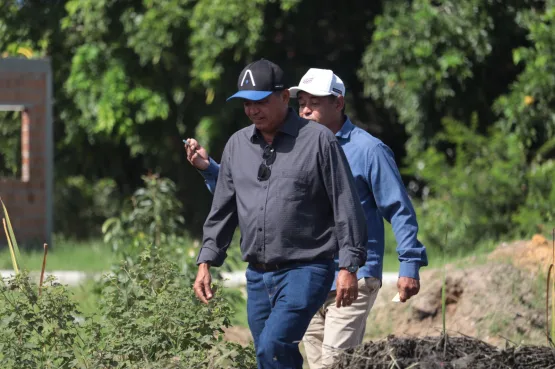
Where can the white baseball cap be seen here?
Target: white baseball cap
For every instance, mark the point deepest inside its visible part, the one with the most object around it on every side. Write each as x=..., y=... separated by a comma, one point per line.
x=319, y=82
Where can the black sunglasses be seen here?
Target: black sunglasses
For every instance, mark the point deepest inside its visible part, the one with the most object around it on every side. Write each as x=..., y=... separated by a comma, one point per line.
x=268, y=158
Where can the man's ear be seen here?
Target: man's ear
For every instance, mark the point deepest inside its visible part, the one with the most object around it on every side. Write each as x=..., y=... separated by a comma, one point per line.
x=285, y=96
x=339, y=103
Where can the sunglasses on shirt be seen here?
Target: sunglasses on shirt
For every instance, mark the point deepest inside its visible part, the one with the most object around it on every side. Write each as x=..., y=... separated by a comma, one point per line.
x=268, y=158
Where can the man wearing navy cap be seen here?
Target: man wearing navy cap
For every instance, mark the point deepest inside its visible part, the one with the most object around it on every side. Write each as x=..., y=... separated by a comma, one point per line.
x=286, y=183
x=383, y=196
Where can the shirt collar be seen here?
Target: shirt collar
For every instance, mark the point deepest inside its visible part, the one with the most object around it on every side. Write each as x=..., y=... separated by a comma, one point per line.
x=346, y=129
x=290, y=127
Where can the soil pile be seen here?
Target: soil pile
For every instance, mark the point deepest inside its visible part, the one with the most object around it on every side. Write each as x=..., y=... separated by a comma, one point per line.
x=494, y=302
x=534, y=255
x=495, y=316
x=443, y=352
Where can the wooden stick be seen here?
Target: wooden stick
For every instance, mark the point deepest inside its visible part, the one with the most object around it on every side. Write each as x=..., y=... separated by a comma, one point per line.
x=550, y=287
x=43, y=267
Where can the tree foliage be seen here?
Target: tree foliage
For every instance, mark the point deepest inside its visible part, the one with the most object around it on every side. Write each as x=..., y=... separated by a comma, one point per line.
x=135, y=77
x=474, y=188
x=528, y=109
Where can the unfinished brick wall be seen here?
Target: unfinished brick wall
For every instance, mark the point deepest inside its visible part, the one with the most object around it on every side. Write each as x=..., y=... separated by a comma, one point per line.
x=26, y=86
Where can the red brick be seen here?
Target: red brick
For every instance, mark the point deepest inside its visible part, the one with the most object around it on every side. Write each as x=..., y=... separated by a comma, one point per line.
x=36, y=181
x=8, y=96
x=13, y=82
x=36, y=175
x=26, y=200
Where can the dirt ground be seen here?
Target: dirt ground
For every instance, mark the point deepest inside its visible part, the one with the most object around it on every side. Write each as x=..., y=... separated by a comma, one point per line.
x=443, y=352
x=499, y=299
x=240, y=335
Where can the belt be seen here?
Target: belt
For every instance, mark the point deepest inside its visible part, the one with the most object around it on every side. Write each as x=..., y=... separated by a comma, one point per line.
x=275, y=266
x=278, y=266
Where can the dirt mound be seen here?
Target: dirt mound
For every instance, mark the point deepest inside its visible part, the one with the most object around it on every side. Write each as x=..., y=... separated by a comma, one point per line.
x=443, y=352
x=534, y=255
x=430, y=304
x=493, y=302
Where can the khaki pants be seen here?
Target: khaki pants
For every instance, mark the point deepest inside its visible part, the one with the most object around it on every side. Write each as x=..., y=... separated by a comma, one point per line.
x=333, y=329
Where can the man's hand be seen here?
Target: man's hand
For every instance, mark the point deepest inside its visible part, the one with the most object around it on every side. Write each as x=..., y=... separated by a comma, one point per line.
x=347, y=288
x=202, y=283
x=407, y=287
x=196, y=154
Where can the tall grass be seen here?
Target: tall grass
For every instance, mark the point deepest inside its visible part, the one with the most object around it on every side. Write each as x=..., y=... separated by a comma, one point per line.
x=66, y=254
x=12, y=242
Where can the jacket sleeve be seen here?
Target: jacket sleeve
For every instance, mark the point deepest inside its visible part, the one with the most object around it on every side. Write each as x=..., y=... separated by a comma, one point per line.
x=210, y=175
x=395, y=206
x=222, y=220
x=350, y=222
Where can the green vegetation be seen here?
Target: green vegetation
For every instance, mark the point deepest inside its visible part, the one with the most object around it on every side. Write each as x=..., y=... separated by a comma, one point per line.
x=148, y=317
x=144, y=314
x=461, y=91
x=10, y=237
x=86, y=256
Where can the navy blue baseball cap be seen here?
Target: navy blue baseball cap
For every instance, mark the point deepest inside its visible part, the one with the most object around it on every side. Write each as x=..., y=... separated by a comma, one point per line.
x=258, y=80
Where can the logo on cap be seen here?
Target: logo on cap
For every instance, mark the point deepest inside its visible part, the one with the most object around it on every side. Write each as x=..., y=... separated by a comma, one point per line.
x=307, y=80
x=246, y=81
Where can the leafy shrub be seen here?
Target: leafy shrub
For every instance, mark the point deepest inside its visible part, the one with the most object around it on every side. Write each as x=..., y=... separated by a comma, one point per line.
x=537, y=213
x=150, y=314
x=38, y=331
x=153, y=214
x=148, y=318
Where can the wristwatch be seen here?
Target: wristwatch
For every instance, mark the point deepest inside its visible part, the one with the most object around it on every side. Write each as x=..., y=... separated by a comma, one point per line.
x=351, y=269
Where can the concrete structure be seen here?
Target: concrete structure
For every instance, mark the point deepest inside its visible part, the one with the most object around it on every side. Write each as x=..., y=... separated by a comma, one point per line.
x=26, y=86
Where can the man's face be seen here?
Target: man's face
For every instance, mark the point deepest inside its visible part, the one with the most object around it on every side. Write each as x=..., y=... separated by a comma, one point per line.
x=267, y=114
x=322, y=109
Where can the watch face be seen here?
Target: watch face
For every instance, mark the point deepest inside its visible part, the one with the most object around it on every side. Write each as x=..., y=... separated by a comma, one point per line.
x=352, y=269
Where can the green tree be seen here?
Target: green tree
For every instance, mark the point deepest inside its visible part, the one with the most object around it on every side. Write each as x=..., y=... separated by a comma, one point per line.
x=528, y=109
x=133, y=78
x=431, y=59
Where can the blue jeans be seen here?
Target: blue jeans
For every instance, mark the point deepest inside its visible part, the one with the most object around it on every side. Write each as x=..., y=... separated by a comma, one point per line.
x=280, y=305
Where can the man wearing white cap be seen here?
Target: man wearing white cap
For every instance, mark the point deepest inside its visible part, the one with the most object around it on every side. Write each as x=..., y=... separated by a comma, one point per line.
x=321, y=94
x=321, y=97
